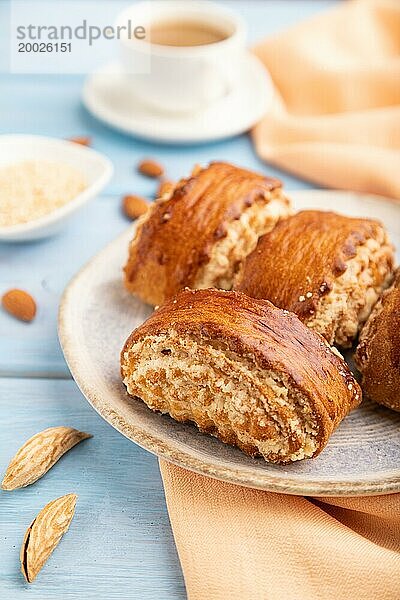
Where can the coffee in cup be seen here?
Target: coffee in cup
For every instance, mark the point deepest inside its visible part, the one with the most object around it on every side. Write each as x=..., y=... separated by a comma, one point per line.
x=189, y=57
x=184, y=33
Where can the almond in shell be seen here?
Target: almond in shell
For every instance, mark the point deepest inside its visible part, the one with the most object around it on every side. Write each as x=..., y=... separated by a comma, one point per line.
x=44, y=533
x=39, y=454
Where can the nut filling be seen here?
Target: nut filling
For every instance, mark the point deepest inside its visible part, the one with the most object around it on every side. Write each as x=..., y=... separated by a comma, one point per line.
x=224, y=394
x=241, y=239
x=343, y=311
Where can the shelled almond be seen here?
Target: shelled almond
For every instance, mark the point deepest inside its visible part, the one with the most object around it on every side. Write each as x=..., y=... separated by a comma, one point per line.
x=134, y=206
x=165, y=188
x=83, y=140
x=150, y=168
x=19, y=304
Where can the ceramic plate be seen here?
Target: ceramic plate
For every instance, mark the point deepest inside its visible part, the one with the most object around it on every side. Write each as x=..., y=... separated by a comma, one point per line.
x=109, y=97
x=97, y=315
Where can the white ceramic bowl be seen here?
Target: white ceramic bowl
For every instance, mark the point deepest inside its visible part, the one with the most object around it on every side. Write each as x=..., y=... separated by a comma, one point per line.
x=96, y=168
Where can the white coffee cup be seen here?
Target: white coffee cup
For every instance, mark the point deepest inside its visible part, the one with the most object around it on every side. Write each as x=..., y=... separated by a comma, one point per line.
x=181, y=78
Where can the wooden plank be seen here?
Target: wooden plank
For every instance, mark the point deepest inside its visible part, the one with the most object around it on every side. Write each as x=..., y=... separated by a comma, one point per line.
x=120, y=544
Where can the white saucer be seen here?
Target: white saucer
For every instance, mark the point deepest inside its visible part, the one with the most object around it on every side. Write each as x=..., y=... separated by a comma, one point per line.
x=108, y=96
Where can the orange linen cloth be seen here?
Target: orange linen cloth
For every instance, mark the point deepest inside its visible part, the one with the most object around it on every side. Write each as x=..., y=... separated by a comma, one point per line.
x=236, y=543
x=335, y=119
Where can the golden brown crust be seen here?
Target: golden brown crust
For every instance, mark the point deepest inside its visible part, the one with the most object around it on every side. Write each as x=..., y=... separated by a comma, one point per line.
x=269, y=339
x=378, y=353
x=297, y=263
x=176, y=239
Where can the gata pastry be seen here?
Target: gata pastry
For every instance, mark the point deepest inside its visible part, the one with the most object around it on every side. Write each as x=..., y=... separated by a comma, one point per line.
x=197, y=236
x=242, y=370
x=378, y=352
x=327, y=268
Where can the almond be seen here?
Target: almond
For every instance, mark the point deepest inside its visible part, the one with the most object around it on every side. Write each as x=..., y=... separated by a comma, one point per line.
x=150, y=168
x=165, y=188
x=44, y=534
x=39, y=454
x=20, y=304
x=134, y=206
x=81, y=139
x=196, y=170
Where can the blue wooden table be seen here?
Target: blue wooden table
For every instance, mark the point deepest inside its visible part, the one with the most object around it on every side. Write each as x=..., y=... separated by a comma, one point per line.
x=120, y=544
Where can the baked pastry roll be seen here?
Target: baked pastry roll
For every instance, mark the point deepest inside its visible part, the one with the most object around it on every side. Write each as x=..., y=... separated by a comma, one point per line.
x=243, y=370
x=327, y=268
x=378, y=352
x=198, y=236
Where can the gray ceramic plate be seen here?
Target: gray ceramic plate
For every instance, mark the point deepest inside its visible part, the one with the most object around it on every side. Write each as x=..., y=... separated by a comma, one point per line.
x=96, y=316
